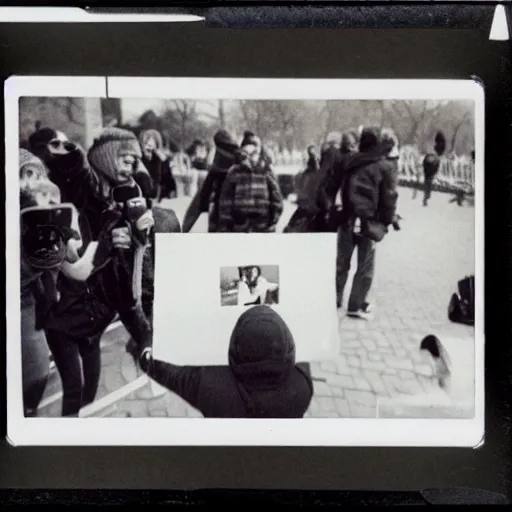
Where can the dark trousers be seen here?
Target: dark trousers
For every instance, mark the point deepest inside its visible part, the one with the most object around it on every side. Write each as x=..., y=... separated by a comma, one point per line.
x=427, y=189
x=78, y=361
x=363, y=278
x=35, y=358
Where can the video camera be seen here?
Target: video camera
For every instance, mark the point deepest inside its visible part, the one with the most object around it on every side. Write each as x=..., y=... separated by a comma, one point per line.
x=44, y=234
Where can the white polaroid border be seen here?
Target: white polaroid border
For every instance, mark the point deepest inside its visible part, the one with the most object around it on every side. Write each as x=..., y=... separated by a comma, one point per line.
x=238, y=432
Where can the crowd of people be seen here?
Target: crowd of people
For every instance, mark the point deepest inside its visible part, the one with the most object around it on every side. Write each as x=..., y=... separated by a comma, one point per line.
x=88, y=219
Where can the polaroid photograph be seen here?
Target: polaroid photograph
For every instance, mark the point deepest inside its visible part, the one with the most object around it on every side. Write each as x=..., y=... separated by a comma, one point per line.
x=272, y=262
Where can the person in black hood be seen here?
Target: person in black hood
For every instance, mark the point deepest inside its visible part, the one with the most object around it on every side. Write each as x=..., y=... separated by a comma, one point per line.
x=368, y=192
x=262, y=379
x=207, y=198
x=431, y=164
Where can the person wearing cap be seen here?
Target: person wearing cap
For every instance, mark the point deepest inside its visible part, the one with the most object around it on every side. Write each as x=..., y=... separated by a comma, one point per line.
x=369, y=197
x=207, y=197
x=261, y=379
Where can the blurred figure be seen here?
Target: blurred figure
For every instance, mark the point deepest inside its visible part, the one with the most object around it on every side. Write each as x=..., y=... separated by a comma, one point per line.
x=333, y=164
x=154, y=160
x=207, y=198
x=305, y=217
x=262, y=379
x=186, y=178
x=431, y=164
x=198, y=154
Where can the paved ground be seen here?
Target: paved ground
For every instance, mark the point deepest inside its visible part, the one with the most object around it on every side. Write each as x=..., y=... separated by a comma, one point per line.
x=417, y=271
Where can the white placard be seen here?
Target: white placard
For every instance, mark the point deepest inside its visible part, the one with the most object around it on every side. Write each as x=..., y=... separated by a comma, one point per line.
x=192, y=327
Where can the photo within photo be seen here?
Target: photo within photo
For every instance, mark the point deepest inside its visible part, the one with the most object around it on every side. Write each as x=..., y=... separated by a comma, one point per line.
x=249, y=285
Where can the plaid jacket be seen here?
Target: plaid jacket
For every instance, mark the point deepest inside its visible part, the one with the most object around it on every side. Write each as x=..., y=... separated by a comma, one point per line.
x=250, y=201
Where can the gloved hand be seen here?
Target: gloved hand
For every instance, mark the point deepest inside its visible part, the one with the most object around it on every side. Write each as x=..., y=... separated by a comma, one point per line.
x=145, y=221
x=112, y=219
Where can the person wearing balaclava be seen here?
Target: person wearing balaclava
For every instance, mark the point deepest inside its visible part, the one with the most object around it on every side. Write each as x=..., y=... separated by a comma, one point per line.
x=207, y=198
x=261, y=380
x=431, y=164
x=85, y=309
x=368, y=207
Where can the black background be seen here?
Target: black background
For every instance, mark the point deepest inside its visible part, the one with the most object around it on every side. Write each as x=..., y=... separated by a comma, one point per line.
x=194, y=50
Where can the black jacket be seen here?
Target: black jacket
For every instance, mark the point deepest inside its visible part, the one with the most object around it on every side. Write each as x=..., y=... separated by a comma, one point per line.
x=213, y=390
x=261, y=381
x=86, y=309
x=372, y=195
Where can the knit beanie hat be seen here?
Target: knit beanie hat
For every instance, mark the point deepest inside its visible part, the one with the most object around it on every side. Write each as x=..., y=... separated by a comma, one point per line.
x=151, y=134
x=27, y=158
x=370, y=140
x=108, y=147
x=250, y=138
x=262, y=349
x=226, y=150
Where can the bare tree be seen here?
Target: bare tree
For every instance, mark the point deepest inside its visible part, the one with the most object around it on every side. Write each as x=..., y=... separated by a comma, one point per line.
x=186, y=112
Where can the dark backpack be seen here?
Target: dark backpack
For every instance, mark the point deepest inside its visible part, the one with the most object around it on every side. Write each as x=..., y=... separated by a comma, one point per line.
x=461, y=308
x=361, y=191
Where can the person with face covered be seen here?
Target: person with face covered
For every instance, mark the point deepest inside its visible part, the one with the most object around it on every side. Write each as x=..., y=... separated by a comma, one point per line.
x=250, y=199
x=262, y=379
x=89, y=300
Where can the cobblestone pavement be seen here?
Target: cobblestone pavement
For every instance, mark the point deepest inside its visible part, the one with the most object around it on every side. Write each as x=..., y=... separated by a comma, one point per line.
x=417, y=270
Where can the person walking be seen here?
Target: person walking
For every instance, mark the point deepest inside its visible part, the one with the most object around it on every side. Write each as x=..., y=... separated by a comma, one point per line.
x=369, y=196
x=431, y=164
